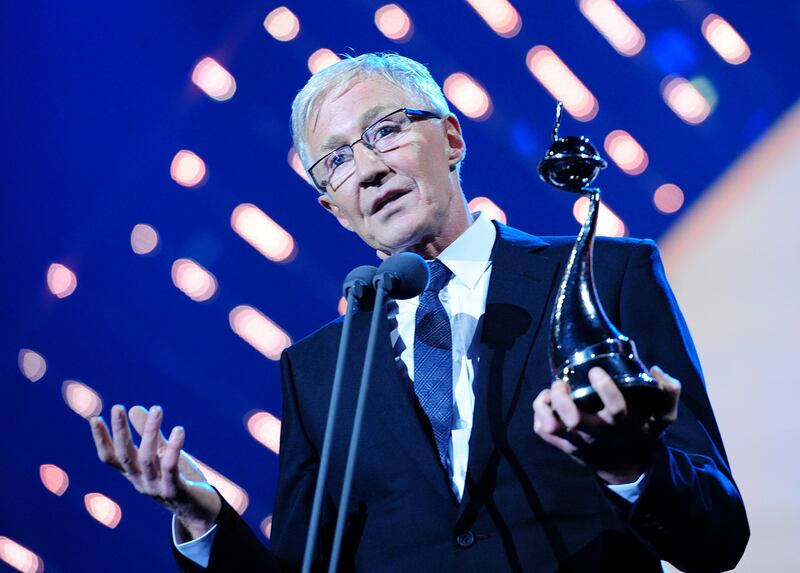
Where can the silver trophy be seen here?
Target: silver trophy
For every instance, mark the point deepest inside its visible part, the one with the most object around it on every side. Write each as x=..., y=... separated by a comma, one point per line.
x=581, y=335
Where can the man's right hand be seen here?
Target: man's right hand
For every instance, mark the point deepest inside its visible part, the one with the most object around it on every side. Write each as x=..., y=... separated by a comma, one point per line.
x=158, y=468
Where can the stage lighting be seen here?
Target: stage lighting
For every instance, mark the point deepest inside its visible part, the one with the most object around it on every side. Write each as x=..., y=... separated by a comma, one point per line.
x=54, y=478
x=562, y=84
x=193, y=280
x=615, y=25
x=259, y=331
x=265, y=428
x=81, y=399
x=263, y=234
x=61, y=281
x=725, y=40
x=489, y=209
x=500, y=15
x=668, y=198
x=394, y=23
x=468, y=96
x=608, y=223
x=32, y=364
x=626, y=152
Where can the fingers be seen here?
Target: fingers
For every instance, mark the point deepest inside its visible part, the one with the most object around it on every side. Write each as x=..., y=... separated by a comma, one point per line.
x=103, y=443
x=563, y=405
x=548, y=425
x=614, y=407
x=171, y=456
x=148, y=449
x=124, y=450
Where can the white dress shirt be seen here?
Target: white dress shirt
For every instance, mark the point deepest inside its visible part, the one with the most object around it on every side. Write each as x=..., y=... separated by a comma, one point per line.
x=464, y=299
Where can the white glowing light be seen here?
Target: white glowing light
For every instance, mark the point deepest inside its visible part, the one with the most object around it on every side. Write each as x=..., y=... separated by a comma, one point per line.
x=321, y=59
x=81, y=399
x=193, y=280
x=264, y=234
x=668, y=198
x=297, y=166
x=234, y=494
x=282, y=24
x=615, y=25
x=685, y=100
x=266, y=429
x=342, y=306
x=19, y=557
x=144, y=239
x=259, y=331
x=187, y=169
x=32, y=364
x=394, y=23
x=562, y=84
x=266, y=526
x=608, y=223
x=489, y=208
x=54, y=478
x=103, y=509
x=725, y=40
x=500, y=15
x=213, y=79
x=626, y=152
x=468, y=96
x=61, y=281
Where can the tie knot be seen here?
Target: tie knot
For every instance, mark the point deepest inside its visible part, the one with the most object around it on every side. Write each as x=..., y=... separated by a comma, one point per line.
x=440, y=274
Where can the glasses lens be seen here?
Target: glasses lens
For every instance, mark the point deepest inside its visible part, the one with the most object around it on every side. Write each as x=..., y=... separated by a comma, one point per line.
x=385, y=132
x=334, y=167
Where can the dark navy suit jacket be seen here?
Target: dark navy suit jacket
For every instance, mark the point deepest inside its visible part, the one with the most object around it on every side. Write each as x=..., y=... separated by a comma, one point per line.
x=527, y=506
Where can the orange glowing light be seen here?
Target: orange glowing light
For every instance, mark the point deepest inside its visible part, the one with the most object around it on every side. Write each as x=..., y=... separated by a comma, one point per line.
x=259, y=331
x=615, y=25
x=103, y=509
x=626, y=152
x=266, y=429
x=685, y=100
x=608, y=224
x=297, y=166
x=144, y=239
x=321, y=59
x=266, y=526
x=562, y=84
x=489, y=208
x=19, y=557
x=32, y=364
x=394, y=23
x=61, y=281
x=264, y=234
x=282, y=24
x=81, y=399
x=725, y=40
x=500, y=15
x=668, y=198
x=468, y=96
x=54, y=478
x=234, y=494
x=193, y=280
x=213, y=79
x=342, y=306
x=188, y=169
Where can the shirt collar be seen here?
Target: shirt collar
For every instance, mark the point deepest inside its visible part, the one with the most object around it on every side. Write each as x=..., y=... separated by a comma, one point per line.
x=470, y=254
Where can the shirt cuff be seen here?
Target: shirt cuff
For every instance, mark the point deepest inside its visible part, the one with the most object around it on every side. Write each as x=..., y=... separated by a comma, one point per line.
x=197, y=550
x=630, y=492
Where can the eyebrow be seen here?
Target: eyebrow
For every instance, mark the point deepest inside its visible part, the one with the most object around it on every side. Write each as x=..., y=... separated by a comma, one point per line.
x=366, y=118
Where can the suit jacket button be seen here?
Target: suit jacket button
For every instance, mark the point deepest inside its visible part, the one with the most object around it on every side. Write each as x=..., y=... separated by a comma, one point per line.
x=466, y=539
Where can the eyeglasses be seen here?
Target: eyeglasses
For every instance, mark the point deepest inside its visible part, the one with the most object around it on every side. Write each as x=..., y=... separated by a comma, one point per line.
x=382, y=136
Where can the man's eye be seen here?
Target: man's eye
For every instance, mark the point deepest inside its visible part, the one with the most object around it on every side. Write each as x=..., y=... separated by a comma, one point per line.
x=385, y=130
x=336, y=159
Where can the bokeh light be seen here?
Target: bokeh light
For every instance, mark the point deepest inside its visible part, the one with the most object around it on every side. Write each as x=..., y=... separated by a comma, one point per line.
x=626, y=152
x=81, y=399
x=725, y=40
x=144, y=239
x=282, y=24
x=394, y=23
x=562, y=84
x=61, y=281
x=615, y=25
x=193, y=280
x=468, y=96
x=187, y=169
x=685, y=100
x=265, y=428
x=500, y=15
x=259, y=331
x=489, y=208
x=297, y=166
x=263, y=234
x=19, y=557
x=233, y=493
x=668, y=198
x=342, y=306
x=608, y=223
x=213, y=79
x=103, y=509
x=32, y=364
x=266, y=526
x=321, y=59
x=54, y=478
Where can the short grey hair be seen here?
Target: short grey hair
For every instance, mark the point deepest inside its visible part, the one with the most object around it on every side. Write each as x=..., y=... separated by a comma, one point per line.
x=406, y=73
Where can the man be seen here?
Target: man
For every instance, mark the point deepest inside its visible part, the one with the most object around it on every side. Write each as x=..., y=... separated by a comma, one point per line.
x=455, y=472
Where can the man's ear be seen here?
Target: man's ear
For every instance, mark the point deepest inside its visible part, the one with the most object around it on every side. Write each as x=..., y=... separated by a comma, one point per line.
x=456, y=147
x=334, y=210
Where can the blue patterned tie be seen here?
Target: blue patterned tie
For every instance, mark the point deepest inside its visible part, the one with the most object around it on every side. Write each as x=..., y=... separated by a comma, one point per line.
x=433, y=359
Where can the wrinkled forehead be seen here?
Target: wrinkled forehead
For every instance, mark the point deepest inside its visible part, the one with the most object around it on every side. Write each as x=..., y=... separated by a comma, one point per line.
x=339, y=116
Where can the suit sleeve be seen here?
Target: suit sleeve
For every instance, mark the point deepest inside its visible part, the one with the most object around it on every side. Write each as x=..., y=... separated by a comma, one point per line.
x=690, y=510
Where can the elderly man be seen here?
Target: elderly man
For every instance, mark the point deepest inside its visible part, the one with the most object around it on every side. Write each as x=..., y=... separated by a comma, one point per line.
x=470, y=460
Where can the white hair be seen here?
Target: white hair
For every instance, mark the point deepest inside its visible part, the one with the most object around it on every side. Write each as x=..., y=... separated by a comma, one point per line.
x=409, y=75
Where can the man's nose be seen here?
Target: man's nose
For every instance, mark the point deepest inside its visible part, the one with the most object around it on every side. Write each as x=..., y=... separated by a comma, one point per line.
x=369, y=164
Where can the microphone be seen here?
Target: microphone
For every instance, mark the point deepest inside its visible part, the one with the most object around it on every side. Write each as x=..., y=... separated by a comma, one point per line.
x=404, y=275
x=359, y=281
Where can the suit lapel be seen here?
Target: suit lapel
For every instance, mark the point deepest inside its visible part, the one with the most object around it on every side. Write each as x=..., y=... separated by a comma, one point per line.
x=523, y=276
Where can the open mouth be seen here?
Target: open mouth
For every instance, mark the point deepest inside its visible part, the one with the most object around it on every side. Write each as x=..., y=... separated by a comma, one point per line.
x=387, y=199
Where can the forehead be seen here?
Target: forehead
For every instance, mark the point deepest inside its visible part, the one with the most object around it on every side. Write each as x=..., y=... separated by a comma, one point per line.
x=341, y=116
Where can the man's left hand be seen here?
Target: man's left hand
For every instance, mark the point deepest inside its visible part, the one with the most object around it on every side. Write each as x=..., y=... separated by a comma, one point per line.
x=616, y=444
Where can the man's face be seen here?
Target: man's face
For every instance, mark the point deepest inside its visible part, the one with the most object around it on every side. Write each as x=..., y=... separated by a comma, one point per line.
x=400, y=198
